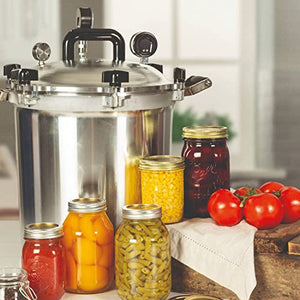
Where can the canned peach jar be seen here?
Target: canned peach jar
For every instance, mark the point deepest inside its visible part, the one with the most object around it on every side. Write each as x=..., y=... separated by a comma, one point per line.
x=89, y=243
x=162, y=184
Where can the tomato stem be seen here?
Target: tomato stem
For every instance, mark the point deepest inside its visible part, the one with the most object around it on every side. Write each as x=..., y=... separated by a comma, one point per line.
x=244, y=199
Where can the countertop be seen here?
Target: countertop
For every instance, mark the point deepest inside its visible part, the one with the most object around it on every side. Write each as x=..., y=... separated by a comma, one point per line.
x=11, y=242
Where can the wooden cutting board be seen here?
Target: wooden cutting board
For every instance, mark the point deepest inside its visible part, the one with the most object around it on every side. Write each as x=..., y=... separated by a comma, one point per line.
x=277, y=272
x=276, y=240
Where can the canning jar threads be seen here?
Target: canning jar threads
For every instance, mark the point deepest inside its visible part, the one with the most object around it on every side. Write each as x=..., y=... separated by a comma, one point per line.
x=89, y=244
x=206, y=166
x=43, y=259
x=162, y=184
x=143, y=259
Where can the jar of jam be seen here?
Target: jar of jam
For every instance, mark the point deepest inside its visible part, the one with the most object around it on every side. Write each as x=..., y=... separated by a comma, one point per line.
x=43, y=259
x=143, y=259
x=162, y=184
x=206, y=166
x=14, y=285
x=89, y=243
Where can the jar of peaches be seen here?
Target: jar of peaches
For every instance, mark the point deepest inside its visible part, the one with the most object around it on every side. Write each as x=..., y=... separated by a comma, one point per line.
x=206, y=166
x=89, y=243
x=162, y=184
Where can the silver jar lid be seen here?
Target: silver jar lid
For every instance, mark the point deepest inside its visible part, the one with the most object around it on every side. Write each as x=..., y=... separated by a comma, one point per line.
x=141, y=211
x=42, y=231
x=12, y=276
x=87, y=205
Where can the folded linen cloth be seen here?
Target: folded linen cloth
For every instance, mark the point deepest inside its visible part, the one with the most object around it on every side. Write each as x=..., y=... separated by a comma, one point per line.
x=223, y=254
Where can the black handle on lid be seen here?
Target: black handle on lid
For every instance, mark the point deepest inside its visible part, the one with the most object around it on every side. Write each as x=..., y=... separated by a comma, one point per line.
x=93, y=34
x=158, y=67
x=24, y=76
x=179, y=75
x=115, y=77
x=8, y=68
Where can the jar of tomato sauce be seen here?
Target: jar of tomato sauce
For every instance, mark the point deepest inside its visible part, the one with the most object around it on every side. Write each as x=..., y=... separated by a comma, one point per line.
x=206, y=166
x=43, y=259
x=89, y=243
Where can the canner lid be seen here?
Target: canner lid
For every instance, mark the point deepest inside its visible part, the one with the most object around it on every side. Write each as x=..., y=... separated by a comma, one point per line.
x=87, y=77
x=117, y=84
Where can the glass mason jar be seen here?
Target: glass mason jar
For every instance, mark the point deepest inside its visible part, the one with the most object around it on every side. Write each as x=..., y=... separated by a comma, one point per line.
x=206, y=166
x=43, y=259
x=143, y=259
x=14, y=285
x=89, y=244
x=162, y=184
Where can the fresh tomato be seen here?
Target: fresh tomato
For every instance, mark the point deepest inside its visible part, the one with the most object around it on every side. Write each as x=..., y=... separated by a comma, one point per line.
x=271, y=187
x=224, y=208
x=246, y=192
x=263, y=211
x=290, y=198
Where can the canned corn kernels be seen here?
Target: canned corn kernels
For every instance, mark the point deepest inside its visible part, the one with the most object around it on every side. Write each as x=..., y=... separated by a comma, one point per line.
x=162, y=183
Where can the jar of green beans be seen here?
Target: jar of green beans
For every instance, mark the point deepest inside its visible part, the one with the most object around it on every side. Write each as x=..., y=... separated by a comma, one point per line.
x=143, y=259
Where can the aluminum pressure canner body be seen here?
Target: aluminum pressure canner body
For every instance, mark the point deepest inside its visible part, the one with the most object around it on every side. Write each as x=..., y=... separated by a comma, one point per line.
x=82, y=126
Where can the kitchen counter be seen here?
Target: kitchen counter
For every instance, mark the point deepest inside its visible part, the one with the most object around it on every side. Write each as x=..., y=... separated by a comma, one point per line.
x=11, y=242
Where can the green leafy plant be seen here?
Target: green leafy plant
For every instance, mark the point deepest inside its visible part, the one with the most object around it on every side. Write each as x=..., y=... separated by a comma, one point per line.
x=189, y=118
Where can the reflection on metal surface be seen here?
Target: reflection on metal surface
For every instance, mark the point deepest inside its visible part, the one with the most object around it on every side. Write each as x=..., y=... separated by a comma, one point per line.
x=132, y=181
x=63, y=156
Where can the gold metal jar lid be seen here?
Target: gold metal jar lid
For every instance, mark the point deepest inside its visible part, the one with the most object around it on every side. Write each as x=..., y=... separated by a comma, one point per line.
x=205, y=132
x=162, y=162
x=141, y=211
x=87, y=205
x=194, y=297
x=43, y=231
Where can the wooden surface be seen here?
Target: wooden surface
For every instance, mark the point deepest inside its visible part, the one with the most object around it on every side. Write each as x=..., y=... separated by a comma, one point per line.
x=294, y=246
x=277, y=272
x=277, y=276
x=276, y=240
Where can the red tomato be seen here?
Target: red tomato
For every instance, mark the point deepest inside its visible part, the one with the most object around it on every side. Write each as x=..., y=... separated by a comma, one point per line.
x=224, y=208
x=271, y=187
x=263, y=211
x=246, y=191
x=290, y=198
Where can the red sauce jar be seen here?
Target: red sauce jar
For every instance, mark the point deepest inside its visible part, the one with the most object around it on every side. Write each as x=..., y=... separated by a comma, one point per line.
x=206, y=166
x=43, y=259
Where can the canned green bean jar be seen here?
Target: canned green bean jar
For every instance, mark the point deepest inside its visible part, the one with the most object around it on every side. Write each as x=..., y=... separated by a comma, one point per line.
x=143, y=259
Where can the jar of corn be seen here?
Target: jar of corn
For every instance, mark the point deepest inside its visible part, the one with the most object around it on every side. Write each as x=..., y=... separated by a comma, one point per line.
x=162, y=183
x=89, y=243
x=142, y=255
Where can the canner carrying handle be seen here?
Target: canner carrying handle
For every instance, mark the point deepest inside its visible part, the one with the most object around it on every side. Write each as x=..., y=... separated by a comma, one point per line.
x=93, y=34
x=196, y=84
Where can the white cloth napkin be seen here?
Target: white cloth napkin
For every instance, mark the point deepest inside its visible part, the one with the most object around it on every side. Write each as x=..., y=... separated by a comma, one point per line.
x=223, y=254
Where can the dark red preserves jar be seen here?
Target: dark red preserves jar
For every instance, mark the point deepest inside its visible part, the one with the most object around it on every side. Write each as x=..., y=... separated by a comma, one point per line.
x=43, y=259
x=206, y=166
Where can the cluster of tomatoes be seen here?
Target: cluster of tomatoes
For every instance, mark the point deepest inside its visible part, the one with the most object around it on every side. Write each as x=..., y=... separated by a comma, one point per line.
x=265, y=207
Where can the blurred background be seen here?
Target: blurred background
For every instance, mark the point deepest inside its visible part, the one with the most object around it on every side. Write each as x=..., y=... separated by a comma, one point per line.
x=249, y=49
